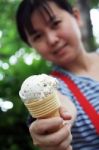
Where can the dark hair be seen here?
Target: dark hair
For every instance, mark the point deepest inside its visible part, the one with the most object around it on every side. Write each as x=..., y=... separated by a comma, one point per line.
x=27, y=7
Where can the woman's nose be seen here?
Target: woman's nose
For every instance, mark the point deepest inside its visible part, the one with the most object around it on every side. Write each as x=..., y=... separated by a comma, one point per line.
x=52, y=38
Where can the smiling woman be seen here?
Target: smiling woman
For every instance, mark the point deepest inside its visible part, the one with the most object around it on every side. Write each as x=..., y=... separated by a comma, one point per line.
x=52, y=27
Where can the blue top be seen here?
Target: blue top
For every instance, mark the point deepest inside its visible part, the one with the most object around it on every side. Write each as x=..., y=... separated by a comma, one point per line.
x=83, y=131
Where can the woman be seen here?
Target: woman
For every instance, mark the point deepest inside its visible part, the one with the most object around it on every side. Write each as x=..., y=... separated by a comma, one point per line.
x=52, y=27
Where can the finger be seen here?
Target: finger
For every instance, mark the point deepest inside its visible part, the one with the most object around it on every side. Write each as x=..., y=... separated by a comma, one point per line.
x=42, y=126
x=69, y=148
x=65, y=145
x=56, y=148
x=55, y=138
x=64, y=114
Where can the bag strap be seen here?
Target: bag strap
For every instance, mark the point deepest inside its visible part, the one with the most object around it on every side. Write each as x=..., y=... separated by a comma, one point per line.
x=87, y=107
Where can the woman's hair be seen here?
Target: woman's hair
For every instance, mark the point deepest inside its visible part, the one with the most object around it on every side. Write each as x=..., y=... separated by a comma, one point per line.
x=26, y=9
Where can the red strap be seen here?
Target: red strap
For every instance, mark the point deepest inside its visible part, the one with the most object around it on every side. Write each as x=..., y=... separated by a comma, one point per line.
x=88, y=108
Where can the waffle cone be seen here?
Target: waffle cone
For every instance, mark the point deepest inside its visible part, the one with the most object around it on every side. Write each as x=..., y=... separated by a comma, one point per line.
x=46, y=108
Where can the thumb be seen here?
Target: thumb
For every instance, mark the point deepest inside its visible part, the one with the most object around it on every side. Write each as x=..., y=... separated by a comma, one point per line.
x=64, y=113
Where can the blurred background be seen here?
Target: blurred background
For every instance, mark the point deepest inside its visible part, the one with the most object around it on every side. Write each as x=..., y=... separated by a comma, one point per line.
x=17, y=62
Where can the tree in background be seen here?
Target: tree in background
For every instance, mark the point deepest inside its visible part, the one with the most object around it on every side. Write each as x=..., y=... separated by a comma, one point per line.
x=87, y=34
x=17, y=62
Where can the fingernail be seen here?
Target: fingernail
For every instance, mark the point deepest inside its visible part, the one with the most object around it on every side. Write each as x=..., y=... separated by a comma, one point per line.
x=68, y=124
x=66, y=113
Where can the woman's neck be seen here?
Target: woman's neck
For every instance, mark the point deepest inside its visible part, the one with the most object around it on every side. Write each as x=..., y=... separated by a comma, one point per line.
x=81, y=64
x=87, y=66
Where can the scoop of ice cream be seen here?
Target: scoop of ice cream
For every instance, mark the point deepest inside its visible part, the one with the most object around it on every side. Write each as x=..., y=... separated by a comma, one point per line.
x=37, y=87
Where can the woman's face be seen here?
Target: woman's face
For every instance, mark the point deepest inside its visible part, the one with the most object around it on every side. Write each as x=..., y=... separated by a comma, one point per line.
x=58, y=40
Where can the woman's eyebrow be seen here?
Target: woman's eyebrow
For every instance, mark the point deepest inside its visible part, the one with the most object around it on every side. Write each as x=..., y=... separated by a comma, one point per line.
x=35, y=31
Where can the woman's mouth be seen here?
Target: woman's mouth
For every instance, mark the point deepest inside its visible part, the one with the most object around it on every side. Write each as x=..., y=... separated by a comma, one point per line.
x=60, y=51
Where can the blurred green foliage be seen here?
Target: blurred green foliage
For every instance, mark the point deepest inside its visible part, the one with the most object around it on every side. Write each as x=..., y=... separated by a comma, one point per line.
x=14, y=134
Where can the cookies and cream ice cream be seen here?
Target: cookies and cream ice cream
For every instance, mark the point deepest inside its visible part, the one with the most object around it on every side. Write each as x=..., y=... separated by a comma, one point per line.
x=38, y=92
x=37, y=87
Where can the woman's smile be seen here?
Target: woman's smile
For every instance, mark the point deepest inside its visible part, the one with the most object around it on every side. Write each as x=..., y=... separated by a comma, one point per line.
x=59, y=52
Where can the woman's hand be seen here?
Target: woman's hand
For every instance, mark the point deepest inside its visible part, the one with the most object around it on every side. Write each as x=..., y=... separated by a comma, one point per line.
x=42, y=136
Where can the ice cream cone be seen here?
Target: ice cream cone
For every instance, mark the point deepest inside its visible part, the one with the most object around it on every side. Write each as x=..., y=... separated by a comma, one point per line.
x=39, y=94
x=46, y=108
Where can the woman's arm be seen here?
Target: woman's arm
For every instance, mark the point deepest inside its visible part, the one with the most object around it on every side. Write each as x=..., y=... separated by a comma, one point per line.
x=68, y=106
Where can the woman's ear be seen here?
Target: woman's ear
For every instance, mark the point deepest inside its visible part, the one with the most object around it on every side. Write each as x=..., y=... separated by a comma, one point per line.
x=78, y=16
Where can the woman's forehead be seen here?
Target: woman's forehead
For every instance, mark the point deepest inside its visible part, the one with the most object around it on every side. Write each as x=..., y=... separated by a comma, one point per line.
x=46, y=13
x=43, y=15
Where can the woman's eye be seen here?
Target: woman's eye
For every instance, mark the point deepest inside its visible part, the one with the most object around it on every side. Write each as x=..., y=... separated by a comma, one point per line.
x=56, y=23
x=37, y=37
